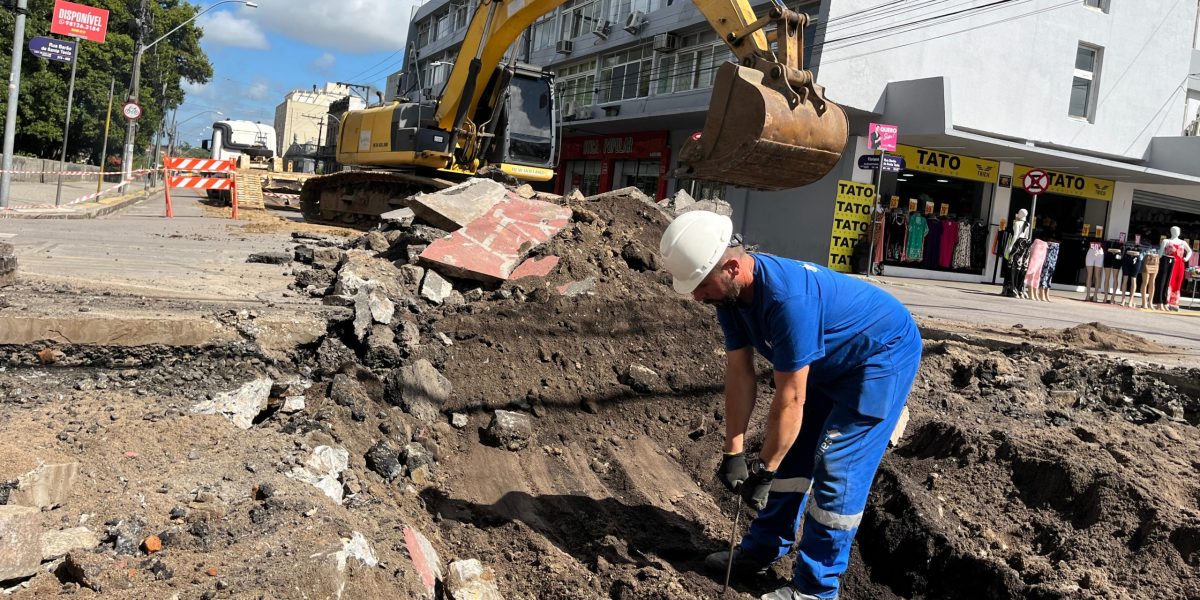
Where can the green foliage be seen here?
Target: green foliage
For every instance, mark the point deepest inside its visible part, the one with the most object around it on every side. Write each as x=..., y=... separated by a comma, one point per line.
x=43, y=102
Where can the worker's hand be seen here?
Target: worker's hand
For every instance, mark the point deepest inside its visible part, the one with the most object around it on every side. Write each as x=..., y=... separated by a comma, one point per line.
x=732, y=471
x=755, y=489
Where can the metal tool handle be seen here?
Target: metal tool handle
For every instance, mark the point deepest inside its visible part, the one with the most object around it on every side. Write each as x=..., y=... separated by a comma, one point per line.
x=732, y=540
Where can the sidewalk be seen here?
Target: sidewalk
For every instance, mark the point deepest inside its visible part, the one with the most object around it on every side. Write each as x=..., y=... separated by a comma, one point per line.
x=30, y=200
x=982, y=303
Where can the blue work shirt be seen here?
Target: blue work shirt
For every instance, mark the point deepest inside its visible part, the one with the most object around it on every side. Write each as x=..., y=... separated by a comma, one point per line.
x=849, y=333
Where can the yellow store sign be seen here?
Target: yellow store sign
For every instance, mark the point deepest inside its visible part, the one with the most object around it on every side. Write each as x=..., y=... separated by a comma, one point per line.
x=1072, y=185
x=952, y=165
x=851, y=221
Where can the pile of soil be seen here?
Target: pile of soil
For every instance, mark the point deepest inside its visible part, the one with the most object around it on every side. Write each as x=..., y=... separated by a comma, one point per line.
x=1098, y=336
x=1029, y=471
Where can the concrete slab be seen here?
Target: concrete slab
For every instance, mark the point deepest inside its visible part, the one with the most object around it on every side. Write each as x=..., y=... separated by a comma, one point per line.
x=535, y=267
x=454, y=207
x=424, y=558
x=45, y=487
x=20, y=542
x=491, y=247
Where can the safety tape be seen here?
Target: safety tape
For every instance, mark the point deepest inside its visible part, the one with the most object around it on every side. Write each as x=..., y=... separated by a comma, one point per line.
x=137, y=172
x=282, y=196
x=72, y=202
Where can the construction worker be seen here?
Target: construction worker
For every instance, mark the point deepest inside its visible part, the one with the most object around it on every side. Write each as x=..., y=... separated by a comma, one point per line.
x=845, y=354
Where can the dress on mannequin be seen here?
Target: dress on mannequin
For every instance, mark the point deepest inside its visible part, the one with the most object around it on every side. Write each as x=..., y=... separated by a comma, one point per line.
x=1037, y=259
x=1048, y=267
x=1175, y=283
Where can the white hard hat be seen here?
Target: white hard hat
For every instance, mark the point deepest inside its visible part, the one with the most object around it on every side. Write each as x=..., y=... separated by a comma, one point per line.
x=692, y=245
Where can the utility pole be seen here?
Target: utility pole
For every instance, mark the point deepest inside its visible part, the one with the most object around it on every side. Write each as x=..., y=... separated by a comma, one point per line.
x=62, y=161
x=14, y=89
x=134, y=87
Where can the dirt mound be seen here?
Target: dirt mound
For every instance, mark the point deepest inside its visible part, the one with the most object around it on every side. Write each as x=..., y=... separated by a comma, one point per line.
x=1098, y=336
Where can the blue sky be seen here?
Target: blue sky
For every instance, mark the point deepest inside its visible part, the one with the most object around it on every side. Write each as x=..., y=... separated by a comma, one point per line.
x=261, y=54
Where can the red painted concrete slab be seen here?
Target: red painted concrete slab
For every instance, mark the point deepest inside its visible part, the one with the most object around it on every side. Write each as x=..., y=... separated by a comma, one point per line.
x=424, y=558
x=535, y=267
x=491, y=247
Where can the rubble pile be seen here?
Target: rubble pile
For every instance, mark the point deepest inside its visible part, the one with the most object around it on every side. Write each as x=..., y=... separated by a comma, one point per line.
x=510, y=401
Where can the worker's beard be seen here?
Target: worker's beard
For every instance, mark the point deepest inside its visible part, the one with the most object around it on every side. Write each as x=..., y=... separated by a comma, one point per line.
x=730, y=299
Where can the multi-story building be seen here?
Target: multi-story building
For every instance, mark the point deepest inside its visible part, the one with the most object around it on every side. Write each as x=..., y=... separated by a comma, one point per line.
x=1100, y=94
x=300, y=118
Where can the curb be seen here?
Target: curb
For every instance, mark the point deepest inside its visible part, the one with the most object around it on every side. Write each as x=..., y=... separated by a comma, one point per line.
x=86, y=210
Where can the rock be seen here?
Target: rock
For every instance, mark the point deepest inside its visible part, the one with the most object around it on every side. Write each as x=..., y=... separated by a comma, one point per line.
x=361, y=267
x=511, y=430
x=473, y=295
x=715, y=205
x=382, y=350
x=45, y=487
x=639, y=378
x=240, y=406
x=328, y=258
x=901, y=425
x=401, y=218
x=680, y=202
x=270, y=258
x=412, y=253
x=347, y=391
x=424, y=559
x=525, y=191
x=371, y=305
x=578, y=288
x=408, y=334
x=376, y=242
x=416, y=456
x=639, y=257
x=58, y=543
x=419, y=389
x=21, y=537
x=470, y=580
x=303, y=254
x=323, y=470
x=384, y=460
x=411, y=275
x=458, y=420
x=332, y=355
x=435, y=288
x=576, y=196
x=358, y=548
x=318, y=278
x=152, y=544
x=458, y=205
x=87, y=569
x=292, y=404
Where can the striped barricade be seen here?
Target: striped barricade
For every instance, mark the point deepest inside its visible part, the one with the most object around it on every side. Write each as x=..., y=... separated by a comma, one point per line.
x=206, y=167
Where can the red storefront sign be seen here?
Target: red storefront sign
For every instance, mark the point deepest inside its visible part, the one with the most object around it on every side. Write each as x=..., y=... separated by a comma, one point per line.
x=608, y=149
x=80, y=21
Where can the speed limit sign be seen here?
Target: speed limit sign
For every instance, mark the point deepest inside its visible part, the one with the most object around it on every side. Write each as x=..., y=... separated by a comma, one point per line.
x=132, y=110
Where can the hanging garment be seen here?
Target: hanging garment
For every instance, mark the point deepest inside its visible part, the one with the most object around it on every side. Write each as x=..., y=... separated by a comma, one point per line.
x=932, y=243
x=894, y=231
x=948, y=243
x=918, y=227
x=1018, y=258
x=1050, y=264
x=962, y=250
x=880, y=221
x=979, y=236
x=1176, y=274
x=1037, y=258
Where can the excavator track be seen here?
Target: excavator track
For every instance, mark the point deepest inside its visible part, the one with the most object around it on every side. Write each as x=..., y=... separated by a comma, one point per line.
x=357, y=198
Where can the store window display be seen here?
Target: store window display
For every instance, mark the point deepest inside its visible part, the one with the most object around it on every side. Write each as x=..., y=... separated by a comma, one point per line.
x=1016, y=252
x=936, y=223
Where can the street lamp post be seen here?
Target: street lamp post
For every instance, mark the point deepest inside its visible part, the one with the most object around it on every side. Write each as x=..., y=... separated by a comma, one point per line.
x=135, y=80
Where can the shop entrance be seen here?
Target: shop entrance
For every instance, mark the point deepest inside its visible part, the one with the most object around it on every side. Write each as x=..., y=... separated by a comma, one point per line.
x=948, y=214
x=583, y=175
x=641, y=174
x=1061, y=218
x=1154, y=215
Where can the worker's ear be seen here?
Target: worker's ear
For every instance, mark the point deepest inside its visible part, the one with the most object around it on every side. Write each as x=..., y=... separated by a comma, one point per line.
x=731, y=266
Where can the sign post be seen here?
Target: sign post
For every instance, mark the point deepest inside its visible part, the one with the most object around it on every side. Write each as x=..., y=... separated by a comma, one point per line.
x=883, y=138
x=1035, y=182
x=112, y=86
x=14, y=87
x=66, y=127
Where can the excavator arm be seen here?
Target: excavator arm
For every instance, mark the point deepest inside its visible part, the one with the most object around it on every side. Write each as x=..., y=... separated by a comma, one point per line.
x=769, y=125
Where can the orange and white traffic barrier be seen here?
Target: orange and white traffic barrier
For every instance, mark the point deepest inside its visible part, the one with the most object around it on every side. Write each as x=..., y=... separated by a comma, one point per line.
x=202, y=165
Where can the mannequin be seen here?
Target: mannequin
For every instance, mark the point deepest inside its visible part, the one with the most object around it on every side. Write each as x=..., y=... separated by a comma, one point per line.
x=1043, y=290
x=1033, y=273
x=1131, y=267
x=1016, y=253
x=1112, y=268
x=1175, y=248
x=1094, y=261
x=1149, y=274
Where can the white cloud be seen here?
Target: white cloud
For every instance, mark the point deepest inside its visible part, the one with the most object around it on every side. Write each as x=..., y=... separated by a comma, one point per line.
x=226, y=29
x=258, y=91
x=324, y=63
x=359, y=26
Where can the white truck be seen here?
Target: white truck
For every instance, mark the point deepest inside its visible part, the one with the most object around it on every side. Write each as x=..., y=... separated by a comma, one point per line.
x=234, y=139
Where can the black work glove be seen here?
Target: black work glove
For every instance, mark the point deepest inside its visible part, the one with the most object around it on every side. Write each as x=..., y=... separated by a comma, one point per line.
x=757, y=486
x=732, y=471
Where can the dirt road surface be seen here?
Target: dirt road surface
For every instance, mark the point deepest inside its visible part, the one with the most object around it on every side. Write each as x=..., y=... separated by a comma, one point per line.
x=1057, y=460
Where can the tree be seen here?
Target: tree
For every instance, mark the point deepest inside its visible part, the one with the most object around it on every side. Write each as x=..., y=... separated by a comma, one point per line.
x=42, y=108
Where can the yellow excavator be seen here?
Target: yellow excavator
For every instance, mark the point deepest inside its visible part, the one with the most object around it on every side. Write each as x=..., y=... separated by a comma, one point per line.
x=768, y=127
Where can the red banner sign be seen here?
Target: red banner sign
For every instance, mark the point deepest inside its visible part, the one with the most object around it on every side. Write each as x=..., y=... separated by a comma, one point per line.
x=78, y=20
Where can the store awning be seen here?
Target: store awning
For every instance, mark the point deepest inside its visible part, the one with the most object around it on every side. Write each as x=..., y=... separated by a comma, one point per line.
x=921, y=108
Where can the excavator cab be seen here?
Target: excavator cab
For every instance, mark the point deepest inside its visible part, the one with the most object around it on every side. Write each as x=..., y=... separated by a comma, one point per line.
x=769, y=126
x=521, y=128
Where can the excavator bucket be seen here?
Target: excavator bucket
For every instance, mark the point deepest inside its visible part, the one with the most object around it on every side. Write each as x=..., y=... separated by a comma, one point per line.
x=764, y=136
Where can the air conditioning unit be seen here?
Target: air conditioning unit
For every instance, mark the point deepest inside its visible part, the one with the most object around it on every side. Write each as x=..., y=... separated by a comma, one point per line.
x=568, y=110
x=634, y=23
x=666, y=42
x=601, y=29
x=582, y=111
x=563, y=47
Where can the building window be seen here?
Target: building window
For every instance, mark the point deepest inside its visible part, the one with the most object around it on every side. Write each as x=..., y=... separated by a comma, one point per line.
x=576, y=84
x=626, y=75
x=443, y=26
x=543, y=32
x=460, y=14
x=1083, y=86
x=578, y=17
x=423, y=31
x=693, y=66
x=1101, y=5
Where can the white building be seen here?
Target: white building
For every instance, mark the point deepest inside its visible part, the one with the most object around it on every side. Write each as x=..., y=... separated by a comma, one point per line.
x=300, y=118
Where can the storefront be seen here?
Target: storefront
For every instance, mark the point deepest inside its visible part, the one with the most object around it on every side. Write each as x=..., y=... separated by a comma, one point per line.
x=937, y=211
x=1153, y=215
x=1072, y=213
x=595, y=164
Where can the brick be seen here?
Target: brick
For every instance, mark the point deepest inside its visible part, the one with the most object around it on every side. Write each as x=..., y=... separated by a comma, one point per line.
x=152, y=544
x=456, y=206
x=491, y=247
x=535, y=267
x=20, y=542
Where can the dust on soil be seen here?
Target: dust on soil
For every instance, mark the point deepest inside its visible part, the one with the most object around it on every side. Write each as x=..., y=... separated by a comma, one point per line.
x=1029, y=470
